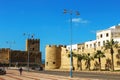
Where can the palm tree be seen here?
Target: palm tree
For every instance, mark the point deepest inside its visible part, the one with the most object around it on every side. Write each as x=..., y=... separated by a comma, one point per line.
x=110, y=45
x=79, y=59
x=99, y=54
x=108, y=64
x=88, y=58
x=73, y=55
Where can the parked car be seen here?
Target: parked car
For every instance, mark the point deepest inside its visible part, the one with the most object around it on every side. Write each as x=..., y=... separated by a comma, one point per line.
x=2, y=71
x=37, y=68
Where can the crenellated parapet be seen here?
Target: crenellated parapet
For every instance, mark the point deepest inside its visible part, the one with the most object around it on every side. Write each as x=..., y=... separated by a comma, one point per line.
x=55, y=46
x=4, y=49
x=34, y=39
x=31, y=41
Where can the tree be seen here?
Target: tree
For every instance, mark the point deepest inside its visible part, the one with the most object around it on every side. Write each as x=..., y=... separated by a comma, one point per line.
x=88, y=58
x=110, y=45
x=73, y=55
x=108, y=64
x=99, y=54
x=79, y=60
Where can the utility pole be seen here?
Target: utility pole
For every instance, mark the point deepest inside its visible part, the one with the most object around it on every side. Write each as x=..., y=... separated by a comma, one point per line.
x=29, y=36
x=71, y=56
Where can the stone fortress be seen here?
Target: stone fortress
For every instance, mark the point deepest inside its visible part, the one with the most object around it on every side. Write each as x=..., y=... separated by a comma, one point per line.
x=13, y=58
x=57, y=55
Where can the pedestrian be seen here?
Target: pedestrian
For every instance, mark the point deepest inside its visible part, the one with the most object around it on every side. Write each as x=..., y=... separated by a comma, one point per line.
x=20, y=70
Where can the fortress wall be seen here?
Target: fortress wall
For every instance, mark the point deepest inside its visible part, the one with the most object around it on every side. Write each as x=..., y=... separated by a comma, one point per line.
x=4, y=55
x=59, y=55
x=115, y=58
x=65, y=60
x=92, y=52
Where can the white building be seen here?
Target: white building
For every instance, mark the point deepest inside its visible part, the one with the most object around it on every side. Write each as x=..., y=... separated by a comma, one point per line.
x=90, y=44
x=102, y=37
x=106, y=35
x=74, y=47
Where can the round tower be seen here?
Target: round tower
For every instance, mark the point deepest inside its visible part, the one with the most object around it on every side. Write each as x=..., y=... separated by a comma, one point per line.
x=53, y=57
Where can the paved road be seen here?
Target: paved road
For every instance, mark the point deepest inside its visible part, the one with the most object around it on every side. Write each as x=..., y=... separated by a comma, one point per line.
x=42, y=75
x=93, y=74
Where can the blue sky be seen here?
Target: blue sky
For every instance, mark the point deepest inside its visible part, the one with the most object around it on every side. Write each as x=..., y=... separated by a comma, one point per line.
x=46, y=20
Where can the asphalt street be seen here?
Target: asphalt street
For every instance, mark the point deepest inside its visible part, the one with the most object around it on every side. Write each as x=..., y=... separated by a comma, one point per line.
x=87, y=74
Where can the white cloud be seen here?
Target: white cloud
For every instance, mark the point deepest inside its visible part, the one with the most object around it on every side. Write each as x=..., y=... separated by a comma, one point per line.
x=93, y=31
x=79, y=20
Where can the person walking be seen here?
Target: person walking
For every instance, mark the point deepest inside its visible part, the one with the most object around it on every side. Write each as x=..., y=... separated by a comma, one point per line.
x=20, y=70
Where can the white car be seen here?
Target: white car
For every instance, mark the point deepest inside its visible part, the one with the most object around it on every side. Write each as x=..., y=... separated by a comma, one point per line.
x=2, y=71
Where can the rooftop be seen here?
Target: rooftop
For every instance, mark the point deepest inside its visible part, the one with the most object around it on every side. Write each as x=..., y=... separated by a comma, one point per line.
x=112, y=27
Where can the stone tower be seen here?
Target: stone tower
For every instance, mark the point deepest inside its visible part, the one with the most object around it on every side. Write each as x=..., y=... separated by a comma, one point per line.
x=33, y=45
x=53, y=57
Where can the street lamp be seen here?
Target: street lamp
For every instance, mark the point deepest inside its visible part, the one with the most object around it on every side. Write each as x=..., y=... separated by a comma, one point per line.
x=71, y=56
x=28, y=35
x=10, y=45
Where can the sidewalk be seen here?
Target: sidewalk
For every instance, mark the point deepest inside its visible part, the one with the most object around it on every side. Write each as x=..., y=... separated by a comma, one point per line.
x=14, y=75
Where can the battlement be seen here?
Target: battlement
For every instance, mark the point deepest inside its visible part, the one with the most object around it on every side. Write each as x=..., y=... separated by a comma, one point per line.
x=33, y=39
x=4, y=49
x=57, y=46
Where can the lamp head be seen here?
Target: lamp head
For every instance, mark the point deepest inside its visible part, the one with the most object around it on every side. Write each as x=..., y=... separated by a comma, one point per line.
x=65, y=11
x=24, y=34
x=77, y=13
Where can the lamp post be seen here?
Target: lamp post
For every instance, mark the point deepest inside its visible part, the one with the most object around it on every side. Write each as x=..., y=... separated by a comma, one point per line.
x=10, y=44
x=71, y=56
x=28, y=37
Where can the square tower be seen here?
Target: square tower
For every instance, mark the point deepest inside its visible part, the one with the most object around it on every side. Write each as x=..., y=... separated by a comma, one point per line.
x=33, y=45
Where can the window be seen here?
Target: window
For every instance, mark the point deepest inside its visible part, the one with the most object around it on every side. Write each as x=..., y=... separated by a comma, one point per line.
x=94, y=45
x=53, y=62
x=103, y=43
x=82, y=49
x=101, y=36
x=47, y=63
x=79, y=48
x=97, y=37
x=107, y=34
x=90, y=45
x=98, y=43
x=69, y=48
x=86, y=46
